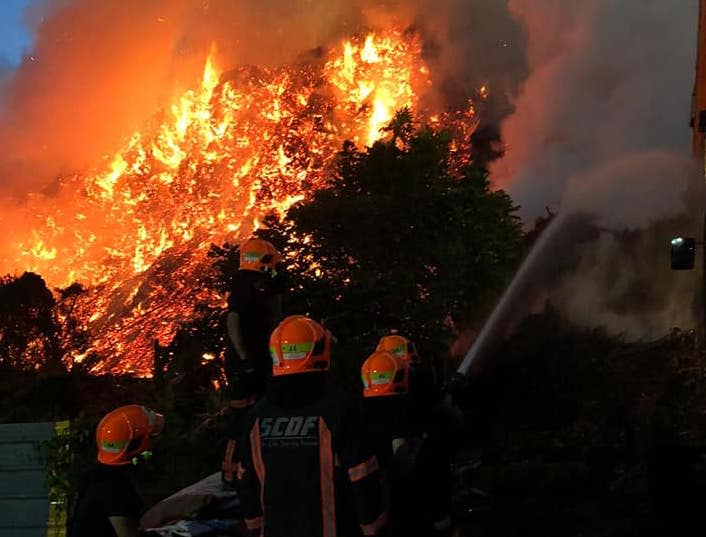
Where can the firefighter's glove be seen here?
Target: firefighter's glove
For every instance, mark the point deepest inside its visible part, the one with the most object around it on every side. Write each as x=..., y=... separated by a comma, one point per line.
x=456, y=389
x=247, y=364
x=444, y=527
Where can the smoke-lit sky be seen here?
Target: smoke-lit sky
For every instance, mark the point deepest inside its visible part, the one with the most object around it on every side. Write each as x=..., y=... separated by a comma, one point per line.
x=14, y=35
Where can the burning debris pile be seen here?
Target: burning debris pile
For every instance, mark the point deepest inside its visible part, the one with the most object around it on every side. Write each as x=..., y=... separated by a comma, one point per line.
x=247, y=142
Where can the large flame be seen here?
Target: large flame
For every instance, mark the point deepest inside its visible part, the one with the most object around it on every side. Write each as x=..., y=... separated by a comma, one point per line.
x=246, y=142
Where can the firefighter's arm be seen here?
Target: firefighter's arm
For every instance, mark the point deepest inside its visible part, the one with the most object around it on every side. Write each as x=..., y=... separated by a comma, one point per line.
x=249, y=483
x=367, y=491
x=404, y=455
x=404, y=445
x=236, y=337
x=364, y=474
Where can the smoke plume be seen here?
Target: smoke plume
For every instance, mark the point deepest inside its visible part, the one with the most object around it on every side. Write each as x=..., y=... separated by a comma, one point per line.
x=601, y=126
x=607, y=79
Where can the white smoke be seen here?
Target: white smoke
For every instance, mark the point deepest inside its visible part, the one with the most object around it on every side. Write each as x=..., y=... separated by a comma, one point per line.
x=601, y=126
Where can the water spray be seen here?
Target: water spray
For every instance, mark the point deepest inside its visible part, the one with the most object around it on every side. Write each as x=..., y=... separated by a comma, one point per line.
x=501, y=310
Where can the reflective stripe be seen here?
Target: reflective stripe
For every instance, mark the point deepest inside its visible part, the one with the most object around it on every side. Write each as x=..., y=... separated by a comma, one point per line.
x=364, y=469
x=328, y=501
x=240, y=471
x=243, y=403
x=258, y=463
x=228, y=466
x=374, y=527
x=254, y=523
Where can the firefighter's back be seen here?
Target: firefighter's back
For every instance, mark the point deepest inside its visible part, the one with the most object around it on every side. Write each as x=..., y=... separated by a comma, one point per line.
x=296, y=437
x=294, y=440
x=291, y=434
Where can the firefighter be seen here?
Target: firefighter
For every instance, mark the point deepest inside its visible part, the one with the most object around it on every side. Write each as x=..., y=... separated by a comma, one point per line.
x=297, y=439
x=385, y=385
x=254, y=309
x=422, y=473
x=423, y=388
x=109, y=504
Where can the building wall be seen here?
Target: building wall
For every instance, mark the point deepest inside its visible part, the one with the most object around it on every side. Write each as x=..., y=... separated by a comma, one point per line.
x=25, y=510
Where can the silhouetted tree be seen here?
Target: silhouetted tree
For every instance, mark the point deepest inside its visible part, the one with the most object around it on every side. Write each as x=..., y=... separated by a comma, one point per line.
x=400, y=239
x=29, y=332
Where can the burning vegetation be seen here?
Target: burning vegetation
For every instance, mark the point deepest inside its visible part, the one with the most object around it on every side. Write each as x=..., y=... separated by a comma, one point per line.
x=246, y=143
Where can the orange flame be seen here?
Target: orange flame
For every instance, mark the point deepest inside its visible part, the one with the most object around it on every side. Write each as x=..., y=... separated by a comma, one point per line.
x=246, y=142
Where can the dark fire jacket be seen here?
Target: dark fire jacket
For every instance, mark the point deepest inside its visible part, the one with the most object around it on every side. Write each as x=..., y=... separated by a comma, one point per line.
x=291, y=453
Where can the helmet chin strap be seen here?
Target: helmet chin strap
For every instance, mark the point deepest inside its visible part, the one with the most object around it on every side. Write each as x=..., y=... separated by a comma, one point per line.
x=145, y=455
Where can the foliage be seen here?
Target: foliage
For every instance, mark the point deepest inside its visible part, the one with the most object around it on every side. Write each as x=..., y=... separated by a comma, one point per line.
x=184, y=387
x=192, y=426
x=192, y=361
x=574, y=422
x=401, y=239
x=571, y=422
x=38, y=329
x=28, y=327
x=66, y=458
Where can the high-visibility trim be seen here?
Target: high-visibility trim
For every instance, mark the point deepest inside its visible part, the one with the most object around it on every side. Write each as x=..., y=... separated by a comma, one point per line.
x=258, y=463
x=228, y=466
x=326, y=462
x=239, y=471
x=381, y=377
x=364, y=469
x=375, y=526
x=296, y=351
x=243, y=403
x=254, y=523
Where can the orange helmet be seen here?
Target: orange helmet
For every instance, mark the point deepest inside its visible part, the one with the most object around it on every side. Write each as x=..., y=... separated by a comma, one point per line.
x=258, y=254
x=383, y=374
x=127, y=432
x=299, y=345
x=400, y=347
